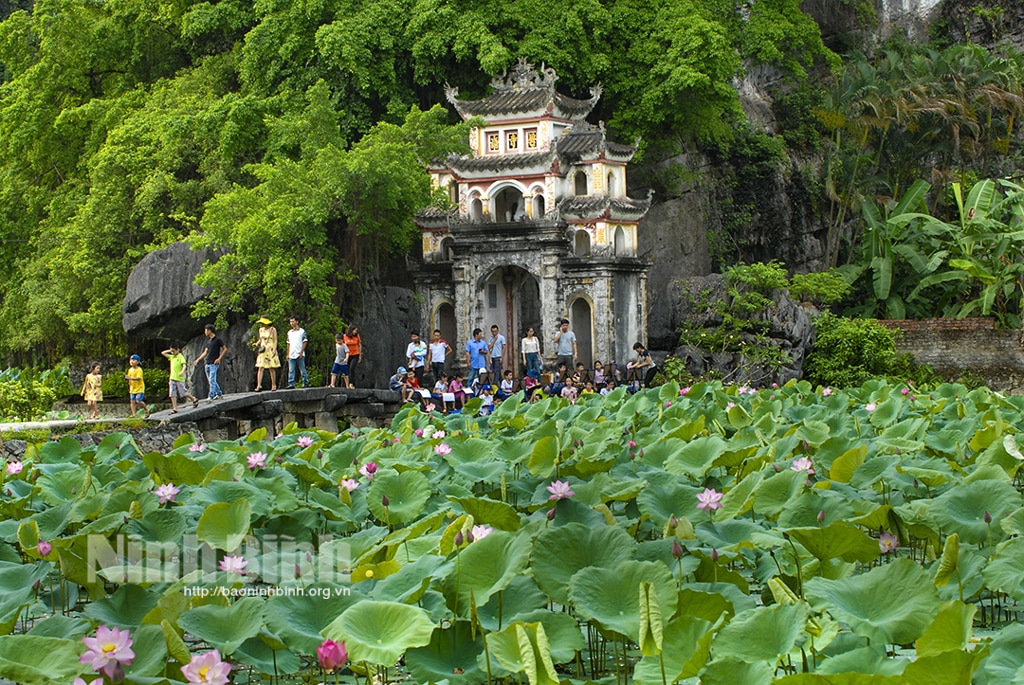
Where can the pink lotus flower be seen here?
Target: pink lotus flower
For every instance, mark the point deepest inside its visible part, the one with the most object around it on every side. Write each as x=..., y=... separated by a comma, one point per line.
x=904, y=391
x=442, y=449
x=480, y=532
x=349, y=484
x=44, y=548
x=234, y=564
x=730, y=405
x=888, y=542
x=683, y=391
x=826, y=392
x=870, y=407
x=207, y=669
x=431, y=407
x=560, y=490
x=80, y=681
x=257, y=460
x=632, y=443
x=438, y=435
x=331, y=655
x=709, y=500
x=197, y=447
x=419, y=431
x=303, y=441
x=803, y=464
x=369, y=470
x=111, y=647
x=668, y=404
x=166, y=492
x=14, y=468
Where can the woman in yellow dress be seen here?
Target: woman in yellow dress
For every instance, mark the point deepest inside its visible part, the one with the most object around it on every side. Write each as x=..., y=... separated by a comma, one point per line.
x=266, y=354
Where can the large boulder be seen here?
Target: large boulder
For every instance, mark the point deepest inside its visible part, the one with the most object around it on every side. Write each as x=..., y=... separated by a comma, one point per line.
x=789, y=327
x=161, y=291
x=388, y=316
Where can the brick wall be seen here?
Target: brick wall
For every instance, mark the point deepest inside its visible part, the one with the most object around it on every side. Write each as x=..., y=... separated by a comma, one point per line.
x=955, y=346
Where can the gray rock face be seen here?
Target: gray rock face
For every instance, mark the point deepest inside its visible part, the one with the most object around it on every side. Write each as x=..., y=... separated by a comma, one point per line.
x=237, y=371
x=387, y=317
x=161, y=289
x=789, y=327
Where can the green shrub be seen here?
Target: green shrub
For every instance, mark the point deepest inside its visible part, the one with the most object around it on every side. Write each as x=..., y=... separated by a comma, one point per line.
x=823, y=288
x=30, y=393
x=849, y=351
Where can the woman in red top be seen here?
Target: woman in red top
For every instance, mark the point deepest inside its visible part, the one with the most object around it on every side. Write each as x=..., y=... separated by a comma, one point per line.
x=354, y=343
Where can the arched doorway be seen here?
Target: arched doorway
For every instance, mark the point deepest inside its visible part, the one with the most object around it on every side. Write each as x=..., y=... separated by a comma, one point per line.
x=581, y=322
x=580, y=183
x=538, y=207
x=581, y=243
x=509, y=205
x=511, y=299
x=476, y=209
x=621, y=249
x=444, y=320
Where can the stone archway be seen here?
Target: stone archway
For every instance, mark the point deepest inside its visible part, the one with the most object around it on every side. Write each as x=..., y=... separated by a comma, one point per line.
x=511, y=300
x=444, y=321
x=581, y=322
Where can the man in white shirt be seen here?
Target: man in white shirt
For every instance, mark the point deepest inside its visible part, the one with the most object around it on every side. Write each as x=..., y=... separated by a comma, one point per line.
x=497, y=348
x=416, y=352
x=439, y=350
x=297, y=342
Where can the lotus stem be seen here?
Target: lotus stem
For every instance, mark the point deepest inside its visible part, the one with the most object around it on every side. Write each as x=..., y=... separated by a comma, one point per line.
x=661, y=659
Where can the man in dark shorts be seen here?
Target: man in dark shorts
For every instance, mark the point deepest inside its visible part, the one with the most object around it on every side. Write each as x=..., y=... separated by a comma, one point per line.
x=213, y=353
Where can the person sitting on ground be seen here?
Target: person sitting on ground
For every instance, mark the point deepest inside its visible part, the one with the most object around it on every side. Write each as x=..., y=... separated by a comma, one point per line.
x=599, y=379
x=458, y=391
x=569, y=391
x=507, y=384
x=531, y=382
x=488, y=400
x=608, y=387
x=441, y=394
x=588, y=388
x=411, y=387
x=559, y=381
x=577, y=377
x=396, y=382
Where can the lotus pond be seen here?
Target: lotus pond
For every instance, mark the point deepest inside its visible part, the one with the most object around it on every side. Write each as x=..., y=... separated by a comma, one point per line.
x=706, y=534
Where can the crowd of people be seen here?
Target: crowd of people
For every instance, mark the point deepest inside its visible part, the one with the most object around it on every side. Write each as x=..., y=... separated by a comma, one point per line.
x=488, y=377
x=490, y=370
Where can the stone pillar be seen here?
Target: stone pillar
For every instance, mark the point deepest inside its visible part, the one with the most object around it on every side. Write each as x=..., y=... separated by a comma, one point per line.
x=552, y=305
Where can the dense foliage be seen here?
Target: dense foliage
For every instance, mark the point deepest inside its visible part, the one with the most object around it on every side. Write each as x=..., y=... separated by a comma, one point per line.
x=794, y=535
x=301, y=128
x=27, y=394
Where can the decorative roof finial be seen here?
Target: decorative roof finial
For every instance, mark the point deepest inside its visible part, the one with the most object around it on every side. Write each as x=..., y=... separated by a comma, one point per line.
x=523, y=76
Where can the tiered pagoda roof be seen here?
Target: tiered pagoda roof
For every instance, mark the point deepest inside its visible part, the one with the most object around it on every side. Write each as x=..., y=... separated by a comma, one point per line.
x=525, y=92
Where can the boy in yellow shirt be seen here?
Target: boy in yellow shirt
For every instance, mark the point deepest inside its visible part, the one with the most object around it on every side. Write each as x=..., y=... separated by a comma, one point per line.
x=136, y=385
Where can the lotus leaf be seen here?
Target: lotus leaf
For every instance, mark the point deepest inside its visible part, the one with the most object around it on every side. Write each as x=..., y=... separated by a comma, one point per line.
x=837, y=540
x=489, y=512
x=562, y=630
x=1005, y=663
x=610, y=597
x=520, y=598
x=893, y=603
x=1005, y=572
x=559, y=553
x=226, y=628
x=686, y=647
x=380, y=632
x=762, y=634
x=694, y=458
x=488, y=566
x=407, y=492
x=451, y=656
x=255, y=652
x=223, y=525
x=949, y=632
x=962, y=509
x=125, y=608
x=728, y=671
x=35, y=660
x=299, y=619
x=524, y=648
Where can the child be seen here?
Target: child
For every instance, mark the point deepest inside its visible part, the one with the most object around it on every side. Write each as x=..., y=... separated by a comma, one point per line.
x=531, y=382
x=599, y=379
x=569, y=392
x=396, y=382
x=580, y=372
x=588, y=389
x=136, y=386
x=92, y=389
x=411, y=388
x=488, y=399
x=505, y=391
x=608, y=387
x=440, y=390
x=177, y=383
x=458, y=391
x=339, y=371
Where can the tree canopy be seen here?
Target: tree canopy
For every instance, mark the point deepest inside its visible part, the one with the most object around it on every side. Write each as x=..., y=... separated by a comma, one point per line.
x=292, y=134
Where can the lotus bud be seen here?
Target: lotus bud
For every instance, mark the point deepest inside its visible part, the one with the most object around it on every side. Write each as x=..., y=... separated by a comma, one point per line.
x=677, y=550
x=459, y=539
x=469, y=536
x=915, y=484
x=114, y=671
x=298, y=571
x=640, y=453
x=785, y=536
x=384, y=500
x=319, y=454
x=777, y=468
x=551, y=514
x=988, y=517
x=36, y=585
x=821, y=516
x=714, y=555
x=44, y=548
x=672, y=522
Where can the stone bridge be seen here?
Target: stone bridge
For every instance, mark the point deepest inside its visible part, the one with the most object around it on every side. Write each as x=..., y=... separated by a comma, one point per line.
x=322, y=408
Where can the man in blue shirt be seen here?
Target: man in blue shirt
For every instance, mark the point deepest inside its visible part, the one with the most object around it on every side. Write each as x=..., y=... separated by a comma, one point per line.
x=497, y=348
x=476, y=354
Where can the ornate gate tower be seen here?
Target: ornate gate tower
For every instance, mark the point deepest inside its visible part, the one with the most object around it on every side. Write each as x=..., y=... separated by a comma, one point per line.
x=543, y=228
